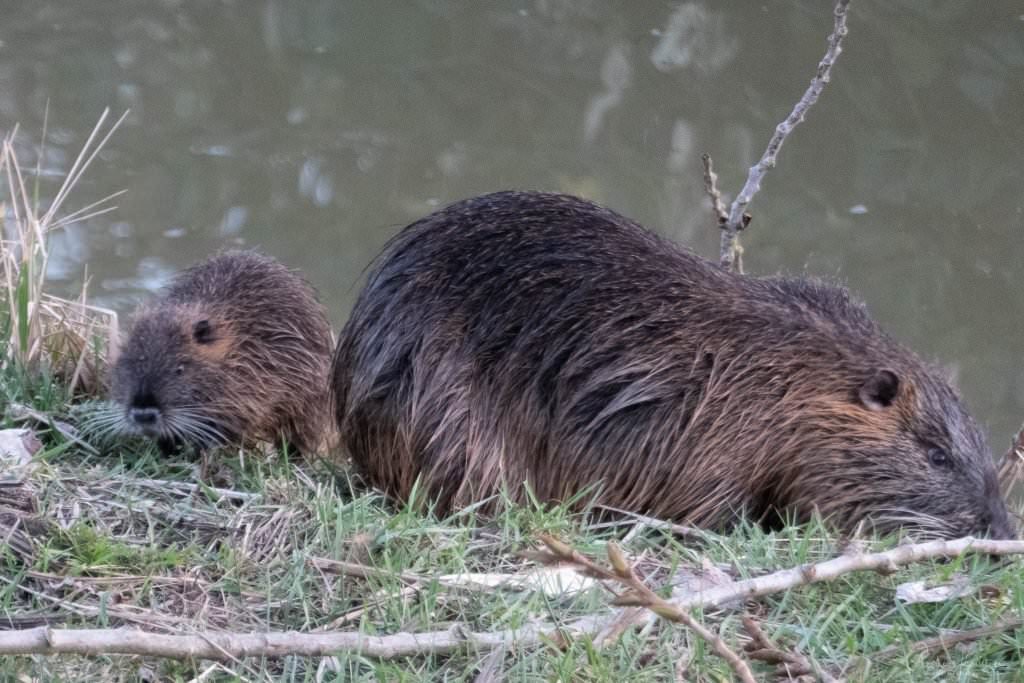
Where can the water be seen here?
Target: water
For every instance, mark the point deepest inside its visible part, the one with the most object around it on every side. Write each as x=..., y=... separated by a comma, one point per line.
x=316, y=129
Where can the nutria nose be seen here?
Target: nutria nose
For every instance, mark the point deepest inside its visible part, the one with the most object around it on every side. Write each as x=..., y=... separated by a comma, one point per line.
x=144, y=416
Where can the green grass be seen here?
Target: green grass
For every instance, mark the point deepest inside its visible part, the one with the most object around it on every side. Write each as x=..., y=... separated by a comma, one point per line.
x=123, y=537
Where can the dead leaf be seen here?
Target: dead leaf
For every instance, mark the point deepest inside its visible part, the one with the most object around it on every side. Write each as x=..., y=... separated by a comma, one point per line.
x=919, y=591
x=17, y=446
x=688, y=581
x=557, y=581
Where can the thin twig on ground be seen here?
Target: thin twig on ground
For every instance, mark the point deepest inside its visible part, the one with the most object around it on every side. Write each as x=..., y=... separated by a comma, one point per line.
x=677, y=529
x=738, y=218
x=946, y=641
x=364, y=572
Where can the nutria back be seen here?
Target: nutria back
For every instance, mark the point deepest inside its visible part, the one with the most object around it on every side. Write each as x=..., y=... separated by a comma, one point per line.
x=541, y=339
x=236, y=348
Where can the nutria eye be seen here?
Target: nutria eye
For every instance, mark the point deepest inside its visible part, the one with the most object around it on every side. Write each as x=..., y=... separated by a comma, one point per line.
x=938, y=457
x=202, y=332
x=180, y=370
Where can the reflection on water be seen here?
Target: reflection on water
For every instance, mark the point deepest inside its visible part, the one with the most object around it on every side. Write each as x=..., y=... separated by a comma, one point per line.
x=316, y=129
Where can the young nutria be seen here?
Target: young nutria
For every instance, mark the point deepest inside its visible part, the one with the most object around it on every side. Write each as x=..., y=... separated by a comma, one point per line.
x=539, y=338
x=236, y=348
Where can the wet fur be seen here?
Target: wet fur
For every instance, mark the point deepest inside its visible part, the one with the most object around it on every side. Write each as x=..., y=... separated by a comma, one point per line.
x=540, y=338
x=260, y=371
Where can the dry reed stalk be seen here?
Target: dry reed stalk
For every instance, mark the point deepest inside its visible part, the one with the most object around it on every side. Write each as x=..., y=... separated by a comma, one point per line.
x=69, y=339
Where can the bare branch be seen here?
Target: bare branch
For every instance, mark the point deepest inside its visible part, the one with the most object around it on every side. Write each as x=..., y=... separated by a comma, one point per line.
x=736, y=221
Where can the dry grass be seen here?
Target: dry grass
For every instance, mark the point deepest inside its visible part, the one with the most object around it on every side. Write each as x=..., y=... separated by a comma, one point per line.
x=68, y=339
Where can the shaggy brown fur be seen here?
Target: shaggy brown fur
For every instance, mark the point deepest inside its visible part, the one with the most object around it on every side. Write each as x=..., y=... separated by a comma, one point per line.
x=236, y=348
x=540, y=338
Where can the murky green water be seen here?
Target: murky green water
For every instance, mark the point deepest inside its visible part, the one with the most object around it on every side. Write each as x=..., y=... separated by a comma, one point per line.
x=316, y=129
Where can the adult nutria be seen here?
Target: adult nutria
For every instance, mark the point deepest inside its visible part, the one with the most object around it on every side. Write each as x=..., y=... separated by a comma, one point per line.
x=236, y=348
x=539, y=338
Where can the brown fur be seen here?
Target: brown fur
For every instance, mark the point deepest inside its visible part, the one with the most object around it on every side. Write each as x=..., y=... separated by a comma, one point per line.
x=237, y=348
x=541, y=339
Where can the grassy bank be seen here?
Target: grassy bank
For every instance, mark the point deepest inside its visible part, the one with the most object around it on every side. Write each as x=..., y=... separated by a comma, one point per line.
x=106, y=535
x=123, y=536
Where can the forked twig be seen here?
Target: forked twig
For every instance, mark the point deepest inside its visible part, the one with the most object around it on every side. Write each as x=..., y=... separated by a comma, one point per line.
x=638, y=594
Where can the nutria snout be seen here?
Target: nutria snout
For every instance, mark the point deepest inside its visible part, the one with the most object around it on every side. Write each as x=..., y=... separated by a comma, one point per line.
x=236, y=348
x=538, y=339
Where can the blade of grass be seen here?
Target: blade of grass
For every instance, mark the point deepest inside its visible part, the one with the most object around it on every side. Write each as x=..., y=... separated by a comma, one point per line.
x=23, y=328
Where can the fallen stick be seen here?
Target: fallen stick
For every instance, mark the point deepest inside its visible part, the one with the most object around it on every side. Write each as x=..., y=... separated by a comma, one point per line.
x=227, y=646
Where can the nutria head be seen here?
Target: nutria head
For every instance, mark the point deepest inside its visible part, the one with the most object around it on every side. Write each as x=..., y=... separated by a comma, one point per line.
x=860, y=427
x=898, y=449
x=236, y=348
x=169, y=376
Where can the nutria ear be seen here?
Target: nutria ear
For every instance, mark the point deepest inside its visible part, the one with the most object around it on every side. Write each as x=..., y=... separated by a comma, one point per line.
x=880, y=390
x=202, y=332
